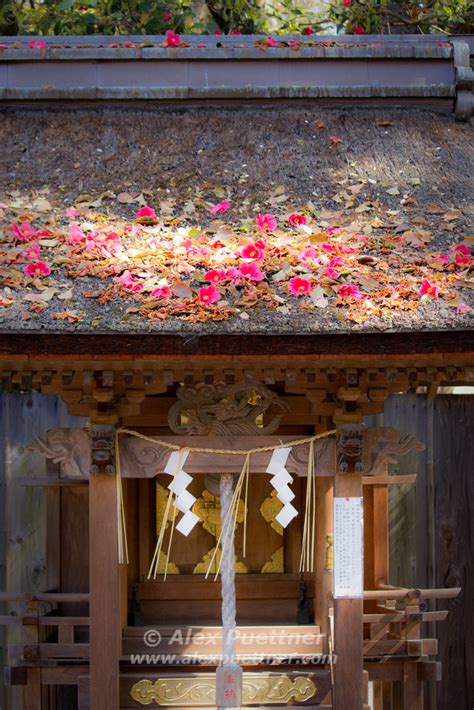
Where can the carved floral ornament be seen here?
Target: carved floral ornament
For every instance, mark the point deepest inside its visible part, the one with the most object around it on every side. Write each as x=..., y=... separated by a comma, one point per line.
x=195, y=691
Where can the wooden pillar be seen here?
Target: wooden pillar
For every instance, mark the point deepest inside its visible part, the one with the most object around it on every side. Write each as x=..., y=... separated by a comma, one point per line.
x=412, y=687
x=348, y=688
x=105, y=629
x=323, y=561
x=32, y=691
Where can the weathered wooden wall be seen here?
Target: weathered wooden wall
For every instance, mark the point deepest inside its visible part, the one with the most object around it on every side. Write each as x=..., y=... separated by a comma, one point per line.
x=23, y=508
x=431, y=528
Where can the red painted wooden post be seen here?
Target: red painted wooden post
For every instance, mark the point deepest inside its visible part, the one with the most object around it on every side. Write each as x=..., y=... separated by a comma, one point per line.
x=105, y=632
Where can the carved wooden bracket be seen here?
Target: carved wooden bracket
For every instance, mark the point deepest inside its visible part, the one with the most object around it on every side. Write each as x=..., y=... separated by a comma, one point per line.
x=349, y=450
x=102, y=449
x=71, y=448
x=368, y=451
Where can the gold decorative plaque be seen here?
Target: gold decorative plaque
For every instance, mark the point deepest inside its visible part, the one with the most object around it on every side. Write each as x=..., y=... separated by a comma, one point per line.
x=161, y=500
x=208, y=509
x=200, y=690
x=329, y=552
x=172, y=567
x=275, y=564
x=269, y=509
x=203, y=565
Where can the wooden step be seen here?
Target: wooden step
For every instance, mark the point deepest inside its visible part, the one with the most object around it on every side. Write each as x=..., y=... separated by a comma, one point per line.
x=203, y=644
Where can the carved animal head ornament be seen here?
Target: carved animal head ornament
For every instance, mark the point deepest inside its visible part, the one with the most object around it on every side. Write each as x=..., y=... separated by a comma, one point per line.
x=69, y=447
x=223, y=409
x=369, y=450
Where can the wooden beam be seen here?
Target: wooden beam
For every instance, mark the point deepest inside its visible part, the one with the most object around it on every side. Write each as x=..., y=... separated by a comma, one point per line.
x=105, y=643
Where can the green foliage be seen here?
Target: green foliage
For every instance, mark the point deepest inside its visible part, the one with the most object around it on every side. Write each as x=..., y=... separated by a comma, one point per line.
x=408, y=16
x=80, y=17
x=260, y=17
x=114, y=17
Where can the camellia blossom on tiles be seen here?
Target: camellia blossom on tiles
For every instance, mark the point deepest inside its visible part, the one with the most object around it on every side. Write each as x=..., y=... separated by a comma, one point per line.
x=161, y=265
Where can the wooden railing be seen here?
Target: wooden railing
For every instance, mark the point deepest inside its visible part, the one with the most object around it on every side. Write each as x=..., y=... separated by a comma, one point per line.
x=48, y=635
x=395, y=627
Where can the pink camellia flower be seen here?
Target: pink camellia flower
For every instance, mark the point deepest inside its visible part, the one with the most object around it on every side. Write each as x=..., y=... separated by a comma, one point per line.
x=161, y=292
x=233, y=274
x=209, y=294
x=235, y=31
x=252, y=251
x=251, y=271
x=331, y=273
x=146, y=215
x=271, y=42
x=108, y=244
x=215, y=276
x=296, y=219
x=346, y=3
x=167, y=17
x=172, y=39
x=133, y=229
x=332, y=230
x=335, y=262
x=266, y=222
x=72, y=212
x=349, y=291
x=308, y=253
x=217, y=32
x=31, y=253
x=37, y=44
x=220, y=207
x=359, y=30
x=462, y=255
x=428, y=288
x=463, y=308
x=37, y=268
x=308, y=30
x=76, y=236
x=128, y=281
x=25, y=231
x=299, y=286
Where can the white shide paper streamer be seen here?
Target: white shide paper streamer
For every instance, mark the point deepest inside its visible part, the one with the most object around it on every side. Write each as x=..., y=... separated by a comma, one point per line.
x=184, y=500
x=281, y=481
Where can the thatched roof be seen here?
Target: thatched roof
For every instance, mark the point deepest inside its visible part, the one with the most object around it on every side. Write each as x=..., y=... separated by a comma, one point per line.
x=401, y=177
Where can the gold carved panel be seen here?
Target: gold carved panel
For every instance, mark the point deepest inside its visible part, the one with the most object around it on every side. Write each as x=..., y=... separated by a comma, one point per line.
x=200, y=690
x=192, y=555
x=276, y=563
x=208, y=510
